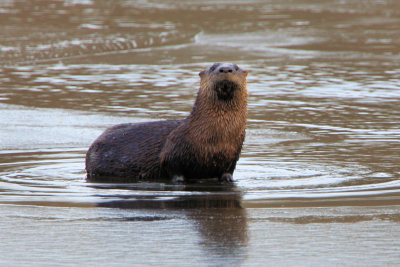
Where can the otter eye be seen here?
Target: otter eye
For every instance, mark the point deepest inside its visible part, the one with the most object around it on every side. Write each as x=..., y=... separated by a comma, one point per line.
x=214, y=66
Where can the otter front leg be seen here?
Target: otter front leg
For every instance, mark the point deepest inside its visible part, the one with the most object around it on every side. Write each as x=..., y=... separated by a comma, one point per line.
x=226, y=178
x=178, y=179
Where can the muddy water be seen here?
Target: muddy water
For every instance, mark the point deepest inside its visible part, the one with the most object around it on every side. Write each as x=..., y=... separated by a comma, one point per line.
x=318, y=179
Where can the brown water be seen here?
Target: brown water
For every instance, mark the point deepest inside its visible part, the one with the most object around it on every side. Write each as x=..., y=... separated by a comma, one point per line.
x=318, y=179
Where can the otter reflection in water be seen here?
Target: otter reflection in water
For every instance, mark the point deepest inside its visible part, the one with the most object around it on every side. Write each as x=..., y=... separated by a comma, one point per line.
x=205, y=144
x=217, y=215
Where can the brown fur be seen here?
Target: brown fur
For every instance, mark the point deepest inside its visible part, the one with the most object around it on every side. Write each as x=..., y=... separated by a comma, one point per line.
x=204, y=145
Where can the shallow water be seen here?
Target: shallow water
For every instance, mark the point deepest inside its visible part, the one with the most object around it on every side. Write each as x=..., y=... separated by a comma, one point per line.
x=318, y=178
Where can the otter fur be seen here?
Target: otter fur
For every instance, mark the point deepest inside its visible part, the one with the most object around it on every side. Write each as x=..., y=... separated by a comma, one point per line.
x=205, y=144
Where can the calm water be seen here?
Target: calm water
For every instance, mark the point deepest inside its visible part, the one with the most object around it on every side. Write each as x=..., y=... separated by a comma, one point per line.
x=318, y=179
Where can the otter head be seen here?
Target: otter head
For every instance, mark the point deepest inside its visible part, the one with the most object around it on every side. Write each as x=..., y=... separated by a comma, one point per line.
x=224, y=81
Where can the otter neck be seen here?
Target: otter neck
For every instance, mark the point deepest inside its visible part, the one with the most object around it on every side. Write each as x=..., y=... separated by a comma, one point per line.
x=214, y=120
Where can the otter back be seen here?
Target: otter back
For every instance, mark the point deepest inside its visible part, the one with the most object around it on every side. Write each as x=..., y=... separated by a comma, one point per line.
x=128, y=151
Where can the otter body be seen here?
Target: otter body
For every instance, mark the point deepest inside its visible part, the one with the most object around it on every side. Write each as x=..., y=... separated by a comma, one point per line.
x=130, y=151
x=206, y=144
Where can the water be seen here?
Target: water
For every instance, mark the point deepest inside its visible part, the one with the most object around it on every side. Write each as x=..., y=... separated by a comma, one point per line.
x=318, y=178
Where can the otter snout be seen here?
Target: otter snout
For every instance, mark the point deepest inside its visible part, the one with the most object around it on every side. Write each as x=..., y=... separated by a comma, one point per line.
x=222, y=70
x=225, y=68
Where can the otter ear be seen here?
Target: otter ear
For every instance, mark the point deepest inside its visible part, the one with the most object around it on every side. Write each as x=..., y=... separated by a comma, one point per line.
x=202, y=73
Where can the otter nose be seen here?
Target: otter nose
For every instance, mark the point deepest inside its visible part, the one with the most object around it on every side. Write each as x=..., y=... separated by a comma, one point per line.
x=226, y=68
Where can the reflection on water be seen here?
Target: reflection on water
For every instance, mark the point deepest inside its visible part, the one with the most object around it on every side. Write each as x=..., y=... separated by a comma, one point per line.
x=318, y=179
x=219, y=218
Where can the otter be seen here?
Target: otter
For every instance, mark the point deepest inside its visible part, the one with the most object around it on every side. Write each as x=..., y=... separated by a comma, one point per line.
x=206, y=144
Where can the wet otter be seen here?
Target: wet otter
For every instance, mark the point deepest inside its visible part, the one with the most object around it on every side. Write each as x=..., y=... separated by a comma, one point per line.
x=205, y=144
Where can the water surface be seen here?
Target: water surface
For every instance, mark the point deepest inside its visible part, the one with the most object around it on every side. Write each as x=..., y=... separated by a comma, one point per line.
x=318, y=178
